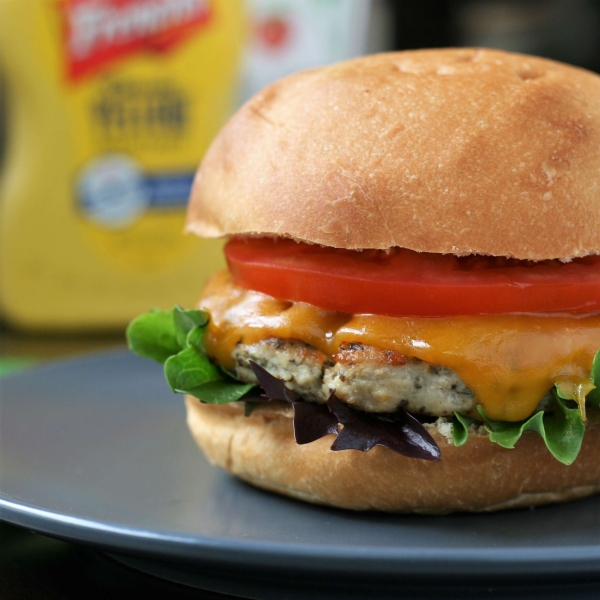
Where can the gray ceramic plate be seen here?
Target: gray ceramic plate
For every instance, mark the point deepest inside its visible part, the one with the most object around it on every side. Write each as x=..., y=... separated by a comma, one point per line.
x=96, y=451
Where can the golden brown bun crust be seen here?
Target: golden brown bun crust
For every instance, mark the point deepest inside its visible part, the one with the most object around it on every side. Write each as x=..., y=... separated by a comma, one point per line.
x=480, y=476
x=448, y=151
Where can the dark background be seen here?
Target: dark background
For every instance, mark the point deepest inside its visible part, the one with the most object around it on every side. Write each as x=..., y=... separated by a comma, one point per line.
x=565, y=30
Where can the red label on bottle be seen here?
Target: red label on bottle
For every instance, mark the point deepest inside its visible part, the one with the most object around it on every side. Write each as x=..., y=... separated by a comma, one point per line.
x=101, y=32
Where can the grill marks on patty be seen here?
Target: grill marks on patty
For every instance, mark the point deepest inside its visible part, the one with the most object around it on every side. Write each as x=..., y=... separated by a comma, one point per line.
x=369, y=378
x=355, y=352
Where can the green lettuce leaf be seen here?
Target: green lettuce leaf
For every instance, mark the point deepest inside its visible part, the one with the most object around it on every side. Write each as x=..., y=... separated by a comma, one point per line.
x=460, y=429
x=191, y=372
x=195, y=338
x=594, y=396
x=153, y=335
x=562, y=430
x=221, y=392
x=175, y=338
x=189, y=369
x=186, y=321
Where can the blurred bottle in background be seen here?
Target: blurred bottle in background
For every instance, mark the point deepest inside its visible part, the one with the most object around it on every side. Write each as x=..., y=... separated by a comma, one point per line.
x=108, y=107
x=292, y=35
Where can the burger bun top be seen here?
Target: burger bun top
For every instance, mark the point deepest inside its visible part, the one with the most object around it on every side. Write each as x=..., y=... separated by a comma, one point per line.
x=461, y=151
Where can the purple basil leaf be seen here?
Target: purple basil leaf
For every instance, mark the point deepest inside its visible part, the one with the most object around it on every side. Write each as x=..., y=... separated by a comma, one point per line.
x=401, y=432
x=273, y=386
x=312, y=421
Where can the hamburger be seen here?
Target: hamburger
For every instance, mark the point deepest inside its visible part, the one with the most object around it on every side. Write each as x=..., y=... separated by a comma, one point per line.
x=411, y=313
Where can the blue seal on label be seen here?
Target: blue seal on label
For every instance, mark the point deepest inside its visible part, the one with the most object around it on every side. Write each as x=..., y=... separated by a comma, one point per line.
x=113, y=191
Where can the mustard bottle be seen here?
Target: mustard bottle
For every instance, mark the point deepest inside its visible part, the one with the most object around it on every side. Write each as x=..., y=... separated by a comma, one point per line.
x=109, y=106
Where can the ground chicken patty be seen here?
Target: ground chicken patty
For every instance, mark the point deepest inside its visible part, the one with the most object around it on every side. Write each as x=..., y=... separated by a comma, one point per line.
x=368, y=378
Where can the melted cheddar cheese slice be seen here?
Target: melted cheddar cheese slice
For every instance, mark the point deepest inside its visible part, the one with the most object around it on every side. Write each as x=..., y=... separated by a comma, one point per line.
x=509, y=361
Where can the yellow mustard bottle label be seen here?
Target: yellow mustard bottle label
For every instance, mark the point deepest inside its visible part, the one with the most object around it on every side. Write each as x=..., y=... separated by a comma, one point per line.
x=141, y=125
x=111, y=105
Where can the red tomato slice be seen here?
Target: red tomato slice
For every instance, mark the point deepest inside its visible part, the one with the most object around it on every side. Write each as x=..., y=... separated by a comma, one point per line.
x=407, y=283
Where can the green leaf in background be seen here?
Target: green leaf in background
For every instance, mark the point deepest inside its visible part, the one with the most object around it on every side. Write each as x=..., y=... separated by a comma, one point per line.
x=12, y=364
x=562, y=430
x=152, y=335
x=460, y=429
x=187, y=320
x=594, y=396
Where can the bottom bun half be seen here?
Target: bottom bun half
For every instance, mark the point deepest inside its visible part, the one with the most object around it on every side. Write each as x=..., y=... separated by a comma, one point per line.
x=479, y=476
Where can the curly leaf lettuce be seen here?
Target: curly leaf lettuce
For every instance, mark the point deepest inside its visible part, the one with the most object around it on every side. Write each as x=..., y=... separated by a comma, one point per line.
x=593, y=397
x=561, y=429
x=460, y=429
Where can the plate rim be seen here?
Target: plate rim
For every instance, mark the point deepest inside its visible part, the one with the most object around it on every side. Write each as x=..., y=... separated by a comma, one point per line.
x=526, y=561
